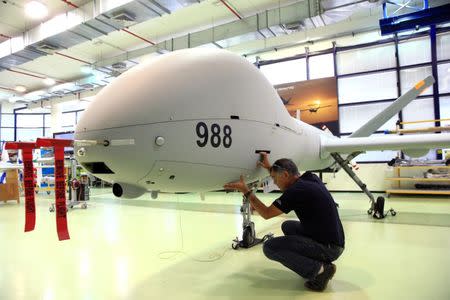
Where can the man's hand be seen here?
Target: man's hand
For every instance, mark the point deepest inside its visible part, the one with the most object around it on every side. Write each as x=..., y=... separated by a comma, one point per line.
x=240, y=185
x=264, y=162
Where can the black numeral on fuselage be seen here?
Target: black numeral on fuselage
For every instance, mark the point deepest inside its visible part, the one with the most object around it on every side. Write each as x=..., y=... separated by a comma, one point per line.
x=216, y=139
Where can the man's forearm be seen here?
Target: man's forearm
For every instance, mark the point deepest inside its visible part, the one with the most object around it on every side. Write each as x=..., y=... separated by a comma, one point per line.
x=260, y=207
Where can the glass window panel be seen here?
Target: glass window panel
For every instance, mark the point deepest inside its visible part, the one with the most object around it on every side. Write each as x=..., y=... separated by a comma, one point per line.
x=366, y=59
x=444, y=78
x=28, y=134
x=362, y=88
x=7, y=120
x=353, y=117
x=321, y=66
x=414, y=51
x=284, y=72
x=29, y=120
x=7, y=134
x=48, y=132
x=419, y=110
x=410, y=77
x=48, y=120
x=443, y=46
x=68, y=119
x=444, y=105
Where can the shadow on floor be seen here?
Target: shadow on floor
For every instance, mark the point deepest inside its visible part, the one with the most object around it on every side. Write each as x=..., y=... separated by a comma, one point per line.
x=426, y=219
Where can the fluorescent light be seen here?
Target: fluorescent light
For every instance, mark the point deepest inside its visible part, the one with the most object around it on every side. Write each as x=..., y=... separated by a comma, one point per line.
x=86, y=69
x=68, y=86
x=13, y=99
x=33, y=96
x=20, y=88
x=49, y=81
x=36, y=10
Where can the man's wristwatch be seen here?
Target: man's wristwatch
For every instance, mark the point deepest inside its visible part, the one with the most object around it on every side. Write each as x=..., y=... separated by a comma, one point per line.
x=246, y=195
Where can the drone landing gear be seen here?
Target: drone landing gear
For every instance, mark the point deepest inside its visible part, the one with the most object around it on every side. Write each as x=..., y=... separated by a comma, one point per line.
x=249, y=238
x=376, y=206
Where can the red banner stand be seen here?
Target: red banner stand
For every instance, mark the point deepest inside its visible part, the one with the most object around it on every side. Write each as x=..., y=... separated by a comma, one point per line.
x=60, y=188
x=28, y=174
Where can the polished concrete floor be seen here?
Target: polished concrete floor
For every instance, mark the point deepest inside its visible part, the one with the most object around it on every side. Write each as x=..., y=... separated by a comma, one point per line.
x=178, y=247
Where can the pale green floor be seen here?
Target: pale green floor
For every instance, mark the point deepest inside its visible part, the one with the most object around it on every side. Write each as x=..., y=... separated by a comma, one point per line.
x=118, y=250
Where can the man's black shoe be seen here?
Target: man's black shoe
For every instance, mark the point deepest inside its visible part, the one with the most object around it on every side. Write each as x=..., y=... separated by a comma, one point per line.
x=319, y=283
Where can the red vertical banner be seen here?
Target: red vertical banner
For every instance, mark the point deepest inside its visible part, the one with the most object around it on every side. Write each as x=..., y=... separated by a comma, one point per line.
x=60, y=195
x=28, y=179
x=28, y=174
x=60, y=184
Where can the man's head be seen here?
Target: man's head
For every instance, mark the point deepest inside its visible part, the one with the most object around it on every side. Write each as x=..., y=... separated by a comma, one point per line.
x=284, y=173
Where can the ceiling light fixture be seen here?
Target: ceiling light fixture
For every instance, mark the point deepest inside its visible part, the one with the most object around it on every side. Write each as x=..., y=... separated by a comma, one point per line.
x=49, y=81
x=20, y=88
x=86, y=69
x=36, y=10
x=14, y=99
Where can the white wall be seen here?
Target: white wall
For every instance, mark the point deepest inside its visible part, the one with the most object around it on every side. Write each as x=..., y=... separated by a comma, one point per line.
x=373, y=175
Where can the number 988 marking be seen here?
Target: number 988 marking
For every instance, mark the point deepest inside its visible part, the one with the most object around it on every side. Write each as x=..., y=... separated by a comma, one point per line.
x=216, y=139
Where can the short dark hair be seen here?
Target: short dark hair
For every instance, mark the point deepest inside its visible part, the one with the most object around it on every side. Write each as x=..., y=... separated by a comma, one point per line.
x=284, y=164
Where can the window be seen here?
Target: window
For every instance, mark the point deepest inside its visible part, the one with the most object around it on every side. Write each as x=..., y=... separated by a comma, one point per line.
x=321, y=66
x=48, y=132
x=354, y=116
x=419, y=110
x=366, y=59
x=7, y=120
x=444, y=78
x=6, y=134
x=48, y=120
x=369, y=87
x=28, y=134
x=443, y=46
x=444, y=107
x=410, y=77
x=29, y=120
x=414, y=51
x=284, y=72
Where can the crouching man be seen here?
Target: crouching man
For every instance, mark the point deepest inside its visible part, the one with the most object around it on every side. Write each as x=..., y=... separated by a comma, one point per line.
x=312, y=243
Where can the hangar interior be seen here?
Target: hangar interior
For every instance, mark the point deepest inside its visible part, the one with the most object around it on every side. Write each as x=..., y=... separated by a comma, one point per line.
x=53, y=65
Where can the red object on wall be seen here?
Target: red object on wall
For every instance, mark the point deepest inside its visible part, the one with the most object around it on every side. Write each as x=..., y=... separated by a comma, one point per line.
x=60, y=184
